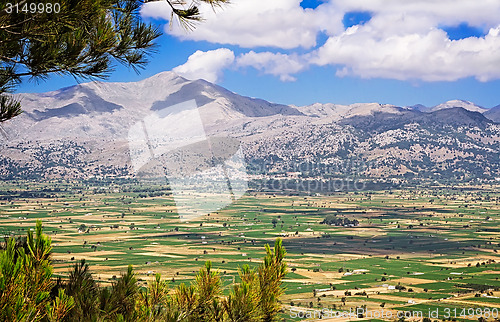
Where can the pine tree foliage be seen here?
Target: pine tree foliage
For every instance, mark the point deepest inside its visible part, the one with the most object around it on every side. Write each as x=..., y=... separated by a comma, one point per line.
x=155, y=301
x=61, y=307
x=84, y=290
x=185, y=298
x=26, y=281
x=28, y=291
x=207, y=287
x=82, y=39
x=270, y=276
x=243, y=299
x=188, y=14
x=123, y=295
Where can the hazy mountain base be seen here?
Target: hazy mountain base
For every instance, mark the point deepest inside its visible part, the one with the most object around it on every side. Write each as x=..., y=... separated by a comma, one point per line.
x=347, y=153
x=357, y=151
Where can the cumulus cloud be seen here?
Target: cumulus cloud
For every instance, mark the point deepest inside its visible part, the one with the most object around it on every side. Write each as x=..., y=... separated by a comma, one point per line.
x=157, y=10
x=251, y=23
x=276, y=64
x=429, y=12
x=207, y=65
x=429, y=56
x=403, y=40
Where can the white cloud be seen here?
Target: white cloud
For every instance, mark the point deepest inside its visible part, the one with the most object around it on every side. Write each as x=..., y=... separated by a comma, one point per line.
x=251, y=23
x=156, y=9
x=403, y=40
x=429, y=56
x=429, y=12
x=206, y=65
x=276, y=64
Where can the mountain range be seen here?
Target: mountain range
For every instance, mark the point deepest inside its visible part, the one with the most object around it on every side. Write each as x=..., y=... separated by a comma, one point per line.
x=82, y=132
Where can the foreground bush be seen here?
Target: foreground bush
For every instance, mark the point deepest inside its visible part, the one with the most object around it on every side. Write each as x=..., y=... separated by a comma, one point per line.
x=29, y=293
x=26, y=281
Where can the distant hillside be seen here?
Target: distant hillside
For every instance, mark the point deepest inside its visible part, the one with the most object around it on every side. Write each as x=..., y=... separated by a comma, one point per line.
x=493, y=114
x=81, y=132
x=459, y=103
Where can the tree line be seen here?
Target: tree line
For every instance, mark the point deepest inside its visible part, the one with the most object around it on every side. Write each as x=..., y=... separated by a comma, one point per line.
x=337, y=221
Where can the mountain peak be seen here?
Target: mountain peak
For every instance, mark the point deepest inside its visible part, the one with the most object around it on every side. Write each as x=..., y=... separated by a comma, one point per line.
x=166, y=75
x=459, y=103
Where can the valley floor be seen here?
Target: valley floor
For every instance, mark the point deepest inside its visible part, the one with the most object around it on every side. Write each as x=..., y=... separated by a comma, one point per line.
x=412, y=250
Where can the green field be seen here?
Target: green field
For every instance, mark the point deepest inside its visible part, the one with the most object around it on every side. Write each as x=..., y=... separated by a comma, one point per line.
x=414, y=249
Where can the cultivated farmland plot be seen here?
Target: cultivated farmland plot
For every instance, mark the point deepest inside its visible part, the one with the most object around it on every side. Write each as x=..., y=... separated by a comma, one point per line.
x=411, y=250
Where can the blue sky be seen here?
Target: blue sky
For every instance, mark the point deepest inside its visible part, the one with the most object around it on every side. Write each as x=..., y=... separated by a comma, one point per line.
x=336, y=51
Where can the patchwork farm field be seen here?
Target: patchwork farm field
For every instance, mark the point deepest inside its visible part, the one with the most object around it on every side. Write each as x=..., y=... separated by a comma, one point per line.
x=400, y=250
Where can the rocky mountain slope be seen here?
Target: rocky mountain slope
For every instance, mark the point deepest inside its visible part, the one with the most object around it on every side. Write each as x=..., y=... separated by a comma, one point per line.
x=493, y=114
x=84, y=131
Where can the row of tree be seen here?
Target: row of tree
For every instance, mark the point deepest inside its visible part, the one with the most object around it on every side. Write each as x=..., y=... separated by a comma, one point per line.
x=338, y=221
x=29, y=292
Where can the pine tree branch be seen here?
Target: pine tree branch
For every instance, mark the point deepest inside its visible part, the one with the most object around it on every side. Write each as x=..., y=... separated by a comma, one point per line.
x=10, y=59
x=36, y=73
x=20, y=22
